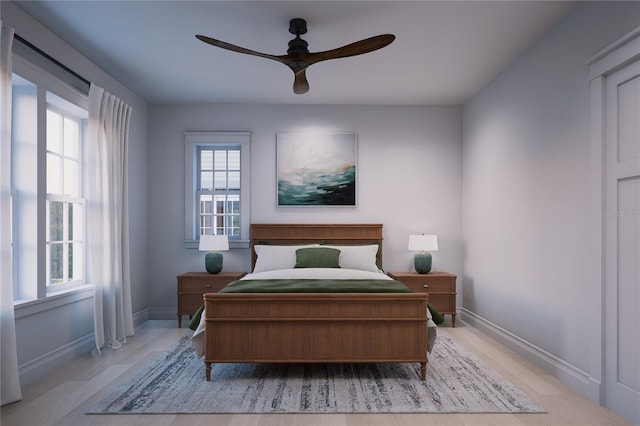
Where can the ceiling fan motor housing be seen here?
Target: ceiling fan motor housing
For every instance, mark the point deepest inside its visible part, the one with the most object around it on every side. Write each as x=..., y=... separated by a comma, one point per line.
x=298, y=26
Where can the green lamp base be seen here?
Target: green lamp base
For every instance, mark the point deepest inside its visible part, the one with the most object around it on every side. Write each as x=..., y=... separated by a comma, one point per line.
x=422, y=262
x=213, y=262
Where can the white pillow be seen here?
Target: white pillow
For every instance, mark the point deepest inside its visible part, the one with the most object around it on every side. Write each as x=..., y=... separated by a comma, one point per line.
x=358, y=257
x=271, y=258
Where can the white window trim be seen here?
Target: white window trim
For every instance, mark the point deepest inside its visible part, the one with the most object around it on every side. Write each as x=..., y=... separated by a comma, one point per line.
x=33, y=73
x=44, y=297
x=193, y=140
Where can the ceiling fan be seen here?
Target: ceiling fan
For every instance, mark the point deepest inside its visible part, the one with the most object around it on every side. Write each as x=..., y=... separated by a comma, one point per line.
x=298, y=57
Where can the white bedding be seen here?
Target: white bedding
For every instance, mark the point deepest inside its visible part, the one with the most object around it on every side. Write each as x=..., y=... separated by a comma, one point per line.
x=318, y=273
x=311, y=273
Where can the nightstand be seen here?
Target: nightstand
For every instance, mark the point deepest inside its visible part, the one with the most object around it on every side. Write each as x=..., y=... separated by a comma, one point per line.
x=192, y=285
x=441, y=287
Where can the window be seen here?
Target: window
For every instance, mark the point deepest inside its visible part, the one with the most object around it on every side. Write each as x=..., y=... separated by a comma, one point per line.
x=49, y=122
x=65, y=205
x=217, y=186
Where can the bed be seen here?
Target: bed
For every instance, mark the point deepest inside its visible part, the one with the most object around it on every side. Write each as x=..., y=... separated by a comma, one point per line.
x=360, y=323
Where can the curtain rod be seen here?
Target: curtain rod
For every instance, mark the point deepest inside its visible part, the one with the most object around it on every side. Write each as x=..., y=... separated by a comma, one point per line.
x=51, y=58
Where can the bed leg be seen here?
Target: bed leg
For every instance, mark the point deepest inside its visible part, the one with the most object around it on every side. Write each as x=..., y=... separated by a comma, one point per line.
x=423, y=370
x=208, y=370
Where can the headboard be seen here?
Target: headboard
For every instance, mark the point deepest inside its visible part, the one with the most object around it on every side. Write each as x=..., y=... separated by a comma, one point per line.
x=316, y=233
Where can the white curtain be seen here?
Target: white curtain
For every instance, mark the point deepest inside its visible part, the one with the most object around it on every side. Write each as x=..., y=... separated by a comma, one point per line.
x=9, y=375
x=107, y=217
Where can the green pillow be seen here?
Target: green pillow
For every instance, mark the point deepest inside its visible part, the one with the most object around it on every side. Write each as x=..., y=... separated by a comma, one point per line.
x=317, y=257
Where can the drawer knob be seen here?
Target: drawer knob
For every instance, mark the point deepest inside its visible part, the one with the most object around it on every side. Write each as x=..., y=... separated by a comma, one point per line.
x=207, y=286
x=425, y=285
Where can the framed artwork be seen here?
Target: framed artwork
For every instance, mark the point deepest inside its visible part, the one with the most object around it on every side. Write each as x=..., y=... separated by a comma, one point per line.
x=316, y=169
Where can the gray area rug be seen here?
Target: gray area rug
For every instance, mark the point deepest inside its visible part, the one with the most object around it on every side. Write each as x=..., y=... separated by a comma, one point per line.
x=457, y=382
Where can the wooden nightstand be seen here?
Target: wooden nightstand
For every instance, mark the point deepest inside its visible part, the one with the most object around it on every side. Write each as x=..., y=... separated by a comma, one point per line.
x=192, y=285
x=441, y=287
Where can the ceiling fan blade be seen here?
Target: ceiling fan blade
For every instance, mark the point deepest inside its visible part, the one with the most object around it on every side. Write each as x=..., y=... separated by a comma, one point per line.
x=300, y=84
x=234, y=48
x=358, y=48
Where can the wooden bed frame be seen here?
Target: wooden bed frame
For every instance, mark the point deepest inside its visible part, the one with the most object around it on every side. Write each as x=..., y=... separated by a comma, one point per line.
x=316, y=327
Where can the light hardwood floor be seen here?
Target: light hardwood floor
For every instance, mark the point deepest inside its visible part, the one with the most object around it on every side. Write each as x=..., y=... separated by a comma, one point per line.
x=63, y=397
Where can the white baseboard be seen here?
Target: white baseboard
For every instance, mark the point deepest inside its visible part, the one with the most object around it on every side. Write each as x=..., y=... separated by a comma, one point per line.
x=39, y=367
x=571, y=375
x=140, y=317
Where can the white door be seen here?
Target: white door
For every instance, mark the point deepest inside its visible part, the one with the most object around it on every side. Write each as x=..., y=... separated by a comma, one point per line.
x=622, y=242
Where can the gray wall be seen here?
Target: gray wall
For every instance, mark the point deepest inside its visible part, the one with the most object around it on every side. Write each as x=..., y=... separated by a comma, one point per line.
x=409, y=179
x=527, y=202
x=53, y=332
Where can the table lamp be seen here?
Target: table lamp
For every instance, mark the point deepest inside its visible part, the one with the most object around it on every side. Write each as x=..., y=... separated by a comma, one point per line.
x=213, y=244
x=422, y=244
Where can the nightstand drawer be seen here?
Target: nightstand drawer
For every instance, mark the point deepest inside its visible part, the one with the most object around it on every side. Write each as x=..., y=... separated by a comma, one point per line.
x=202, y=287
x=428, y=286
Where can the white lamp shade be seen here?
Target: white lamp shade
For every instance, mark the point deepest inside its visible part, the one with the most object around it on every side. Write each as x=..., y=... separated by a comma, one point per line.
x=214, y=243
x=423, y=242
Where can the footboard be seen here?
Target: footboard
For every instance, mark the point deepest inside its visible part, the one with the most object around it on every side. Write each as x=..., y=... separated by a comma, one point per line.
x=316, y=328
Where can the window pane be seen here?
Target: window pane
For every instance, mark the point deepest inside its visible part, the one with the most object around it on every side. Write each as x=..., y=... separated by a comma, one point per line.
x=206, y=159
x=234, y=180
x=54, y=174
x=206, y=205
x=56, y=268
x=70, y=222
x=56, y=221
x=207, y=221
x=221, y=180
x=206, y=180
x=71, y=178
x=220, y=205
x=69, y=261
x=221, y=159
x=71, y=138
x=234, y=159
x=206, y=225
x=235, y=207
x=77, y=271
x=54, y=132
x=76, y=222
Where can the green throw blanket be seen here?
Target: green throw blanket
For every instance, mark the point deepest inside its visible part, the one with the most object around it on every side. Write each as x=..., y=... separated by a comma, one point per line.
x=195, y=320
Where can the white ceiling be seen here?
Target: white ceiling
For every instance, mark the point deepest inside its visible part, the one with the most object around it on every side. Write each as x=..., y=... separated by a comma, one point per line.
x=444, y=52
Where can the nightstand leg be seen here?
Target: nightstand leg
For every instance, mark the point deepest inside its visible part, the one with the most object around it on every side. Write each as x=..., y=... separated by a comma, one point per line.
x=453, y=320
x=423, y=370
x=179, y=321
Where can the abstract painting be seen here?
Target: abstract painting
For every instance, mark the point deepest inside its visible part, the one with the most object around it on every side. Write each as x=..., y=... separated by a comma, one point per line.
x=316, y=169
